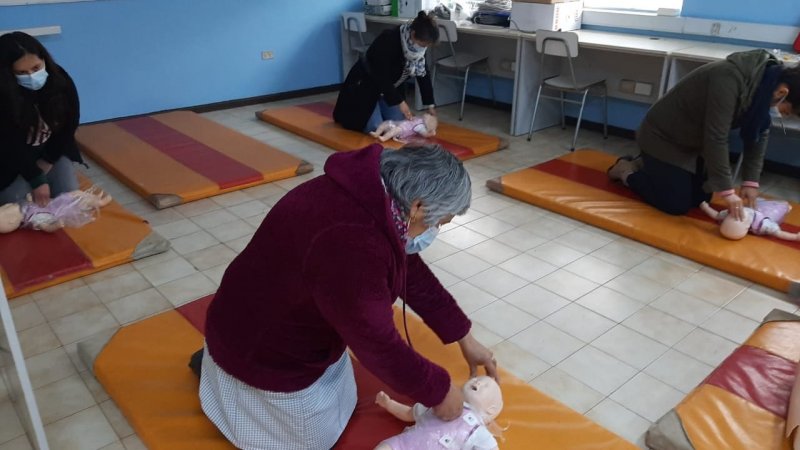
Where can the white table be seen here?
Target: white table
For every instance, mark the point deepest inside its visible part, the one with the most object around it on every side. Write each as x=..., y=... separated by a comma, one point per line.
x=658, y=61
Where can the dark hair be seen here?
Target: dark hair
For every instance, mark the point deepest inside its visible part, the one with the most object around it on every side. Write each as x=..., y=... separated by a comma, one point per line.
x=425, y=28
x=791, y=76
x=20, y=104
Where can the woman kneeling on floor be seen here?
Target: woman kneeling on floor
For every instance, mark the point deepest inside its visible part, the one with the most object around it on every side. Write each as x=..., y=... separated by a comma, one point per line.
x=320, y=276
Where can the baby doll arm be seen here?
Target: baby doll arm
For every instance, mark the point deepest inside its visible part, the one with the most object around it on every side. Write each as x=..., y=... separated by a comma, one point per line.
x=711, y=212
x=397, y=409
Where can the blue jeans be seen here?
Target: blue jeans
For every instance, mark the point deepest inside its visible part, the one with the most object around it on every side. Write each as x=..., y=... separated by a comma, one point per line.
x=61, y=178
x=383, y=112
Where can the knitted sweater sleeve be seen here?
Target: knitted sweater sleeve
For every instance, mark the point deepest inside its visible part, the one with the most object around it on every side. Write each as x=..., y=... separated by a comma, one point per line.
x=349, y=270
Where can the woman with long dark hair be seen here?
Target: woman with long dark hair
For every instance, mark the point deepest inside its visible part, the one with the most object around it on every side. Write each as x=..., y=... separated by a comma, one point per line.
x=374, y=90
x=39, y=113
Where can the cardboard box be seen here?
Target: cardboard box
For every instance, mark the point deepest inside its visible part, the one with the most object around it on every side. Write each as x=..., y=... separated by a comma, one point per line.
x=530, y=16
x=410, y=8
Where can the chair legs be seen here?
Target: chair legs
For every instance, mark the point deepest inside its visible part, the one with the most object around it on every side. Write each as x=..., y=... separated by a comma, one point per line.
x=578, y=124
x=563, y=112
x=535, y=109
x=605, y=112
x=464, y=93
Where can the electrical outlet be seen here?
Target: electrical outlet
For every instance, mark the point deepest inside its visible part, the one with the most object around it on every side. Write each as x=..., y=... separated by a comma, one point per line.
x=627, y=86
x=267, y=54
x=642, y=88
x=715, y=28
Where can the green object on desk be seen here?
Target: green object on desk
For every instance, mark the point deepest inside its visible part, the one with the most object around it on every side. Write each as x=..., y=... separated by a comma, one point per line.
x=394, y=8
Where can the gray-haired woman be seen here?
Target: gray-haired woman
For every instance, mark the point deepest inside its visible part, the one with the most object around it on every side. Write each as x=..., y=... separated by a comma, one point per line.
x=319, y=276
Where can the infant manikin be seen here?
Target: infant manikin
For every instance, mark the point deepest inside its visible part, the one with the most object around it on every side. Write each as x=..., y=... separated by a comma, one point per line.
x=403, y=130
x=70, y=209
x=764, y=219
x=483, y=403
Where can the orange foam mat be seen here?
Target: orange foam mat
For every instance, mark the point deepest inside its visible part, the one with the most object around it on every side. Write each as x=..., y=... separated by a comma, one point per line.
x=180, y=156
x=32, y=260
x=315, y=121
x=743, y=403
x=144, y=369
x=576, y=186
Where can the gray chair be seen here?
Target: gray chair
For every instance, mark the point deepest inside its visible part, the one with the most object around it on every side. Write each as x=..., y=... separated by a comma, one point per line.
x=564, y=45
x=458, y=63
x=355, y=24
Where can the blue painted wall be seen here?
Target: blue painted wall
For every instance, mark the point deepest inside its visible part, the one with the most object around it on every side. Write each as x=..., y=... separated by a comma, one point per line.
x=138, y=56
x=773, y=12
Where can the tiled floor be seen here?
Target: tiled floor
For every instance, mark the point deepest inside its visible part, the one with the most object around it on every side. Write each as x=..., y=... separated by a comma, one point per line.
x=614, y=329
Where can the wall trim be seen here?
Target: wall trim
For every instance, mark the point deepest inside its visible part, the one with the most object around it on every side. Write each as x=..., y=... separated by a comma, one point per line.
x=237, y=103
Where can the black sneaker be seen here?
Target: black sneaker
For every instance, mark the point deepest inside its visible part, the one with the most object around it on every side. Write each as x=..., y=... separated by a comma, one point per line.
x=196, y=362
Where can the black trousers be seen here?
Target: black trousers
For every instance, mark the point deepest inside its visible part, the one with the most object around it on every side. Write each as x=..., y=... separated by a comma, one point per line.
x=669, y=188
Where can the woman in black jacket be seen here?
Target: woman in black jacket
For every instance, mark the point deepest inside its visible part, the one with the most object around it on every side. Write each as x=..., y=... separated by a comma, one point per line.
x=39, y=113
x=374, y=90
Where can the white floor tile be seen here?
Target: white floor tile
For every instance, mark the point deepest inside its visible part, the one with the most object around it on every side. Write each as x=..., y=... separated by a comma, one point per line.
x=711, y=287
x=492, y=251
x=684, y=307
x=706, y=347
x=469, y=297
x=462, y=238
x=547, y=342
x=594, y=269
x=610, y=303
x=463, y=265
x=647, y=397
x=497, y=281
x=536, y=300
x=755, y=304
x=580, y=322
x=489, y=226
x=556, y=254
x=520, y=239
x=528, y=267
x=567, y=284
x=597, y=369
x=569, y=391
x=658, y=325
x=730, y=326
x=629, y=346
x=678, y=370
x=519, y=362
x=503, y=319
x=637, y=287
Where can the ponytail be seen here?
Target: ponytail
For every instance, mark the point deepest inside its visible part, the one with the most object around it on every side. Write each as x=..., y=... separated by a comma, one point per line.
x=425, y=27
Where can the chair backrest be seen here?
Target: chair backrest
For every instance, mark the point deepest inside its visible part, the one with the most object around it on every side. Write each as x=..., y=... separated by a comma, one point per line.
x=354, y=21
x=447, y=30
x=557, y=43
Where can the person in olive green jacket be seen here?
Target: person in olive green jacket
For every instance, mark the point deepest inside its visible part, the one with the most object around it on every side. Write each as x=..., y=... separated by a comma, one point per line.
x=684, y=136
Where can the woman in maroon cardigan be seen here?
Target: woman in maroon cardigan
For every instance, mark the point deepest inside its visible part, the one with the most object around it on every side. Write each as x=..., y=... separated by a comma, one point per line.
x=320, y=276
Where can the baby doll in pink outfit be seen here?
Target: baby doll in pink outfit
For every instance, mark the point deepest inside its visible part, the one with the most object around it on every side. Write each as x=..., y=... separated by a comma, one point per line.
x=483, y=403
x=70, y=209
x=404, y=130
x=764, y=219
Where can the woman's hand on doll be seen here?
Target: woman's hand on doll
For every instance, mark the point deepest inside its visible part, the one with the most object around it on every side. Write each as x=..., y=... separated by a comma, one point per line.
x=735, y=206
x=406, y=110
x=41, y=195
x=749, y=195
x=477, y=355
x=451, y=406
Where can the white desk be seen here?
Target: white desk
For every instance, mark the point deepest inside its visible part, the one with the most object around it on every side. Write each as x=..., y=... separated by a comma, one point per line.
x=617, y=56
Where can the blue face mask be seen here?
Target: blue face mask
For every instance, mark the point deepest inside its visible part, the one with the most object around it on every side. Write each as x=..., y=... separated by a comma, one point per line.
x=34, y=81
x=421, y=242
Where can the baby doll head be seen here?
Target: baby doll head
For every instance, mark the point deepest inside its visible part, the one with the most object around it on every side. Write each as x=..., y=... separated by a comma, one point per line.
x=431, y=123
x=737, y=229
x=484, y=396
x=10, y=217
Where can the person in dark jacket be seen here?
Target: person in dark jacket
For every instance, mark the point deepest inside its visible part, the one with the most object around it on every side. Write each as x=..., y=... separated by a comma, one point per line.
x=684, y=136
x=374, y=90
x=319, y=277
x=39, y=113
